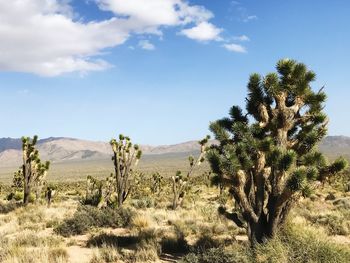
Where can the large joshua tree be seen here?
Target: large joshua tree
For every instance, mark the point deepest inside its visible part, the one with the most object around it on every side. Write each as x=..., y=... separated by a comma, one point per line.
x=268, y=157
x=125, y=158
x=33, y=170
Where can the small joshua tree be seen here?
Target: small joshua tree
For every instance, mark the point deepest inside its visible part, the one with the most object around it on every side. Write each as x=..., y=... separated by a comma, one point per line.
x=94, y=190
x=99, y=192
x=268, y=157
x=17, y=181
x=180, y=182
x=156, y=185
x=40, y=174
x=33, y=170
x=108, y=191
x=49, y=194
x=125, y=158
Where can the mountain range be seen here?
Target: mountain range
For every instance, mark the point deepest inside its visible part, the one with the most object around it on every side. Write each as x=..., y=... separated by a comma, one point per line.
x=61, y=149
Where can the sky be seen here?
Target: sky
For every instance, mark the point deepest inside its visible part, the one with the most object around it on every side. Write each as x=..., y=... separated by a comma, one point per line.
x=158, y=70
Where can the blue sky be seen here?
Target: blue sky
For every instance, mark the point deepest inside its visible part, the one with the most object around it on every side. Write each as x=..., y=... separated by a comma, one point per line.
x=93, y=69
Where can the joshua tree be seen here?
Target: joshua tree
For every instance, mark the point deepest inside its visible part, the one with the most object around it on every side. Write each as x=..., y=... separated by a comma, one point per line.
x=17, y=181
x=49, y=194
x=156, y=186
x=125, y=158
x=180, y=182
x=33, y=170
x=268, y=157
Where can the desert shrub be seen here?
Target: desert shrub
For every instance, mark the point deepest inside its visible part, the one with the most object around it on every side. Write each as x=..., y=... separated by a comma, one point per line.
x=293, y=244
x=175, y=244
x=206, y=242
x=186, y=227
x=30, y=215
x=52, y=223
x=144, y=202
x=140, y=222
x=58, y=255
x=147, y=237
x=42, y=255
x=106, y=255
x=217, y=255
x=7, y=207
x=306, y=244
x=18, y=196
x=334, y=223
x=144, y=254
x=31, y=239
x=92, y=200
x=144, y=238
x=87, y=217
x=110, y=240
x=298, y=243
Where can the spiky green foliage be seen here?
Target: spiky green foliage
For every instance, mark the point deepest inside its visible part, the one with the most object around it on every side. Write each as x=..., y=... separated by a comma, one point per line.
x=33, y=170
x=100, y=193
x=180, y=183
x=17, y=181
x=268, y=157
x=125, y=158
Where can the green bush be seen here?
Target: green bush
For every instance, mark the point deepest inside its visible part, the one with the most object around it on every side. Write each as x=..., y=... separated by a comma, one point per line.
x=87, y=217
x=18, y=196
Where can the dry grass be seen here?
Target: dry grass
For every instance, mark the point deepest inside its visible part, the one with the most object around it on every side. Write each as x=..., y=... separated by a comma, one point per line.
x=149, y=232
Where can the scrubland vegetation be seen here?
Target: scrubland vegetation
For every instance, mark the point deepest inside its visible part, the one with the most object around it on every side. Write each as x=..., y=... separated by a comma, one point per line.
x=263, y=194
x=147, y=229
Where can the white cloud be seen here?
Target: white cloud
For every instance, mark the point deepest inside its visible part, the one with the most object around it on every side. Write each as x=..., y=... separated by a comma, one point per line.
x=41, y=37
x=241, y=38
x=235, y=48
x=145, y=44
x=249, y=18
x=203, y=32
x=46, y=37
x=148, y=13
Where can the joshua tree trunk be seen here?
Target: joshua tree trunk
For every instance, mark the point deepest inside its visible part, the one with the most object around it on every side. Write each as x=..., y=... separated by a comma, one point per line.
x=27, y=182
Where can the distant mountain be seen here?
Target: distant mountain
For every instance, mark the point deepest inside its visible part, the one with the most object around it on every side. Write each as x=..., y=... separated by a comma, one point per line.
x=70, y=149
x=334, y=146
x=9, y=143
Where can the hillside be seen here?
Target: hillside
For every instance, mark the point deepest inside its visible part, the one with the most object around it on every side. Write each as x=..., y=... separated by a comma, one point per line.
x=69, y=149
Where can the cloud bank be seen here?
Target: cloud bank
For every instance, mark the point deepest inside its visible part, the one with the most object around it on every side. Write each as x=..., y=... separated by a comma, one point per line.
x=46, y=38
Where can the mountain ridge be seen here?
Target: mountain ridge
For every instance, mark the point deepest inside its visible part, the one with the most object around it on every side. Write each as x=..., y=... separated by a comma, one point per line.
x=62, y=149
